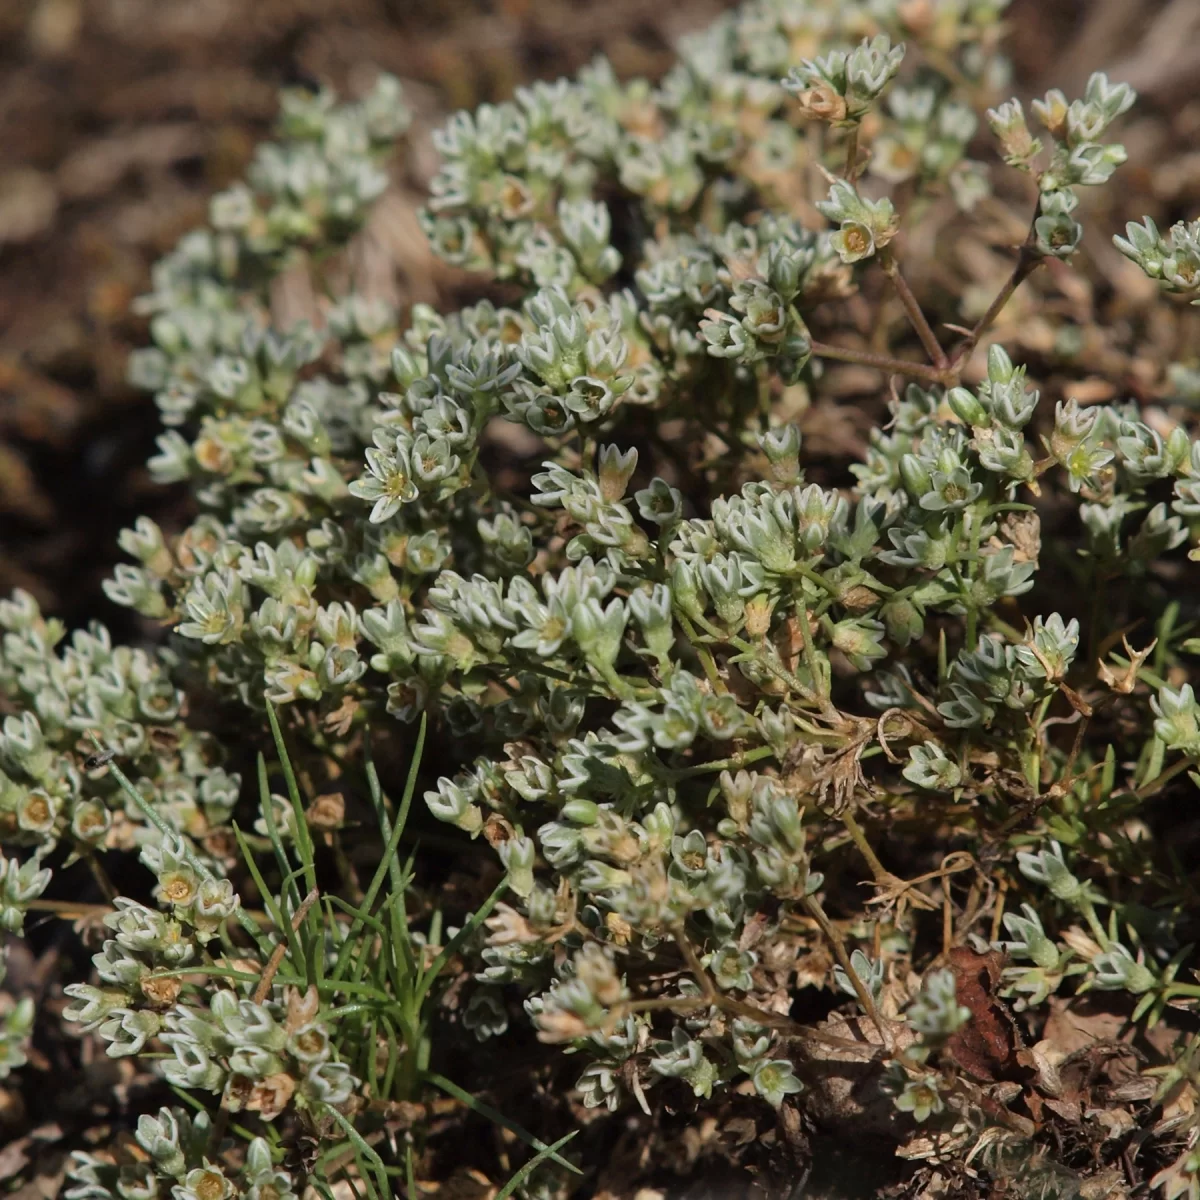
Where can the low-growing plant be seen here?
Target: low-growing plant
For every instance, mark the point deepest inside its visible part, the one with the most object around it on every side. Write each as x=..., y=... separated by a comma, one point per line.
x=691, y=685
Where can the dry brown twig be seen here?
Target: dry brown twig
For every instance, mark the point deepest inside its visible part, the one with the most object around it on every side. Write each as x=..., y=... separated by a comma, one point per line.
x=277, y=955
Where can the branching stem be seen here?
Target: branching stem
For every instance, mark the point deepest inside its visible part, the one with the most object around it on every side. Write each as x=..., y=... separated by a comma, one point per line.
x=945, y=370
x=865, y=998
x=885, y=362
x=916, y=315
x=1027, y=262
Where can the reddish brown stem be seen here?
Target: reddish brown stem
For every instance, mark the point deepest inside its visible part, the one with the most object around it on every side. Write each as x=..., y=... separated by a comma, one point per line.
x=884, y=362
x=277, y=955
x=916, y=316
x=852, y=154
x=1027, y=262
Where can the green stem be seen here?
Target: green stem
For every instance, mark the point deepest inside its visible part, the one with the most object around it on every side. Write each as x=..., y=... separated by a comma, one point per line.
x=815, y=577
x=1163, y=777
x=718, y=635
x=852, y=154
x=734, y=762
x=704, y=654
x=1001, y=626
x=1089, y=915
x=1009, y=506
x=810, y=661
x=972, y=564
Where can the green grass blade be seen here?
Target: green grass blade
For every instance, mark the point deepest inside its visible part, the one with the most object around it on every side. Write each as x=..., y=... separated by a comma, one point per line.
x=532, y=1165
x=498, y=1118
x=475, y=920
x=304, y=844
x=401, y=967
x=275, y=837
x=357, y=913
x=410, y=1179
x=364, y=1151
x=393, y=1059
x=410, y=786
x=269, y=903
x=388, y=864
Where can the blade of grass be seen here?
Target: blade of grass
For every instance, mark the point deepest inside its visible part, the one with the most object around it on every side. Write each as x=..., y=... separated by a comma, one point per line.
x=388, y=864
x=405, y=943
x=357, y=913
x=370, y=1057
x=393, y=1059
x=410, y=1179
x=475, y=920
x=401, y=968
x=309, y=932
x=532, y=1165
x=304, y=842
x=348, y=1010
x=435, y=928
x=201, y=972
x=246, y=921
x=405, y=800
x=363, y=1150
x=283, y=925
x=312, y=934
x=497, y=1118
x=267, y=809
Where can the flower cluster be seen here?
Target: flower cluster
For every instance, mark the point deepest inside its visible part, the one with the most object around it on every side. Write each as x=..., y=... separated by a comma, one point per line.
x=1077, y=156
x=1173, y=260
x=176, y=1152
x=76, y=703
x=16, y=1024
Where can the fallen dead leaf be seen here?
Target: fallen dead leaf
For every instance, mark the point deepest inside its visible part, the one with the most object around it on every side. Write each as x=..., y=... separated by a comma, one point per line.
x=986, y=1047
x=1076, y=1024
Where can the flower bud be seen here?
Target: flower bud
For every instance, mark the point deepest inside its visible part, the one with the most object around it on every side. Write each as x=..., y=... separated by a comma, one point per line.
x=967, y=407
x=685, y=589
x=616, y=469
x=916, y=477
x=903, y=620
